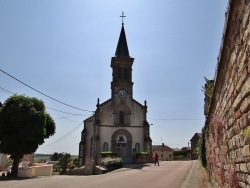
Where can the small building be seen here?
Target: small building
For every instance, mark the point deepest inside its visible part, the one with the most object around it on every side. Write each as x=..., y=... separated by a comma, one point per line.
x=3, y=161
x=182, y=154
x=165, y=153
x=194, y=143
x=29, y=157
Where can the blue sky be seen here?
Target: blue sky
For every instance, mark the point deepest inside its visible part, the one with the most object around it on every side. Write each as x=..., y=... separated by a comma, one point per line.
x=63, y=48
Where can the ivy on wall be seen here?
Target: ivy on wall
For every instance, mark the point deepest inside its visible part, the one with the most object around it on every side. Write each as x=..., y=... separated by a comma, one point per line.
x=208, y=92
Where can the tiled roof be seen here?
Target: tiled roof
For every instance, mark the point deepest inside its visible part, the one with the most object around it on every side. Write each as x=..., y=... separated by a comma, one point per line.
x=160, y=147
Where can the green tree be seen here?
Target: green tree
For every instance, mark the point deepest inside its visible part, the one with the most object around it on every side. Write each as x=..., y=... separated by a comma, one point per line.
x=64, y=159
x=24, y=124
x=75, y=162
x=208, y=92
x=203, y=154
x=9, y=162
x=54, y=157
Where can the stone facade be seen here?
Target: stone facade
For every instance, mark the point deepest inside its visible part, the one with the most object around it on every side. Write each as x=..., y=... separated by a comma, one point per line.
x=227, y=128
x=165, y=153
x=119, y=124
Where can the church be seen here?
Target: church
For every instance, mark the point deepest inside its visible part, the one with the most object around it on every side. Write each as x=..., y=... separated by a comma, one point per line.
x=119, y=124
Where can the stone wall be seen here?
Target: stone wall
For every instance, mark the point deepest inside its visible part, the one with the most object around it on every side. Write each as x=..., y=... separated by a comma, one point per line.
x=228, y=122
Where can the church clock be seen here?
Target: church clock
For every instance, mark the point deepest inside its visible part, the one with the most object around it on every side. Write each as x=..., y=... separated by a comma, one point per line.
x=122, y=93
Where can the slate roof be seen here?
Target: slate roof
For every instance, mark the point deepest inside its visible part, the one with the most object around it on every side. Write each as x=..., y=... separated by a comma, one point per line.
x=122, y=46
x=198, y=134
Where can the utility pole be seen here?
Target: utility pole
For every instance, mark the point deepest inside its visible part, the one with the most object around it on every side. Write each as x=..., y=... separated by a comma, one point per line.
x=96, y=113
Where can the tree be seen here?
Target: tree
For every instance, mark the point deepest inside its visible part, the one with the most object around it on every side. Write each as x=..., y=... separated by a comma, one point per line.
x=64, y=159
x=54, y=157
x=24, y=124
x=75, y=162
x=208, y=92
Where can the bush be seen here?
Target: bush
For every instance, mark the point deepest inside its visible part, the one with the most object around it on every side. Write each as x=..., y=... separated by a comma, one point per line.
x=183, y=153
x=108, y=154
x=141, y=154
x=203, y=154
x=109, y=162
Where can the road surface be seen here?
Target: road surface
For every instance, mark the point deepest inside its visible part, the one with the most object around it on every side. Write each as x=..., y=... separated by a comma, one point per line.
x=170, y=174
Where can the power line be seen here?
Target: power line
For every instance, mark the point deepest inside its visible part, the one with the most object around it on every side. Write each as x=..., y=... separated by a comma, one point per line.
x=7, y=91
x=160, y=119
x=63, y=146
x=66, y=118
x=62, y=138
x=43, y=93
x=66, y=112
x=177, y=119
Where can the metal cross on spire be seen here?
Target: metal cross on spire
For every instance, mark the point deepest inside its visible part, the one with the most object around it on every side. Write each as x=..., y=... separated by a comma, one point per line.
x=122, y=17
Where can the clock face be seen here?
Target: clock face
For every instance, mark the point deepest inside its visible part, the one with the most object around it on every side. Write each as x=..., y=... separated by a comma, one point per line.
x=122, y=93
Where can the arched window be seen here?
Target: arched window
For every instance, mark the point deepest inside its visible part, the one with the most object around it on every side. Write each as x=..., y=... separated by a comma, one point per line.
x=105, y=146
x=137, y=147
x=122, y=115
x=121, y=118
x=119, y=73
x=125, y=76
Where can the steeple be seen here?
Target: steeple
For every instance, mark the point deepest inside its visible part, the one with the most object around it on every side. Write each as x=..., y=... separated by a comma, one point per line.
x=121, y=64
x=122, y=46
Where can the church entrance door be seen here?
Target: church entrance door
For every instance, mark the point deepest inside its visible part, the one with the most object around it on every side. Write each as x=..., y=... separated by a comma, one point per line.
x=122, y=149
x=122, y=144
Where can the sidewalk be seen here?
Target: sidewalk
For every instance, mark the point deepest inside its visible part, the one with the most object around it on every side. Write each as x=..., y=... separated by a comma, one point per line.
x=196, y=177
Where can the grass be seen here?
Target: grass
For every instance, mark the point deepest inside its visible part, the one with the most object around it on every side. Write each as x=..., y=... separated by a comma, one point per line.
x=42, y=159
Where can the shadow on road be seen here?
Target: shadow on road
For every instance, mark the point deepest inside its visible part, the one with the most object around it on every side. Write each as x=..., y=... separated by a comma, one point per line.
x=11, y=178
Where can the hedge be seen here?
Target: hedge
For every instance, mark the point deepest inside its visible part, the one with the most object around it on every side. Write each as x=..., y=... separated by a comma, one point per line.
x=109, y=162
x=108, y=154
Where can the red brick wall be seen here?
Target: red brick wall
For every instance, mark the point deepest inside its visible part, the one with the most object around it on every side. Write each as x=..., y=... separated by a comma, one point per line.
x=227, y=138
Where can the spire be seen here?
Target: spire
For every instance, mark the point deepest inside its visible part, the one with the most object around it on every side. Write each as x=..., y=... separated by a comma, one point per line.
x=122, y=46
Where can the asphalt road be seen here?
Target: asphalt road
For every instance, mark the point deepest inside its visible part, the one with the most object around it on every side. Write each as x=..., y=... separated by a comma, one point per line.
x=170, y=174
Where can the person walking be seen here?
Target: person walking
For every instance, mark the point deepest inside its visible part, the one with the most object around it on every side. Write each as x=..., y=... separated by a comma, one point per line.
x=156, y=159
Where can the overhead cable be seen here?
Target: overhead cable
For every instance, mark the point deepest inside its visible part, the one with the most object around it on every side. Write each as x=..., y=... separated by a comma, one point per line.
x=43, y=93
x=5, y=90
x=62, y=138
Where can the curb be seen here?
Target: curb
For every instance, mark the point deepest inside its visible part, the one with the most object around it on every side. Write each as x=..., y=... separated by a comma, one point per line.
x=187, y=180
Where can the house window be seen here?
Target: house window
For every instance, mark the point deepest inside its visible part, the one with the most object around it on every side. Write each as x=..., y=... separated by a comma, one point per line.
x=105, y=146
x=137, y=147
x=121, y=118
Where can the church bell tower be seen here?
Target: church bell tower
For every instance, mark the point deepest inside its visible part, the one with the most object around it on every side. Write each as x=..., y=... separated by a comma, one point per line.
x=121, y=64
